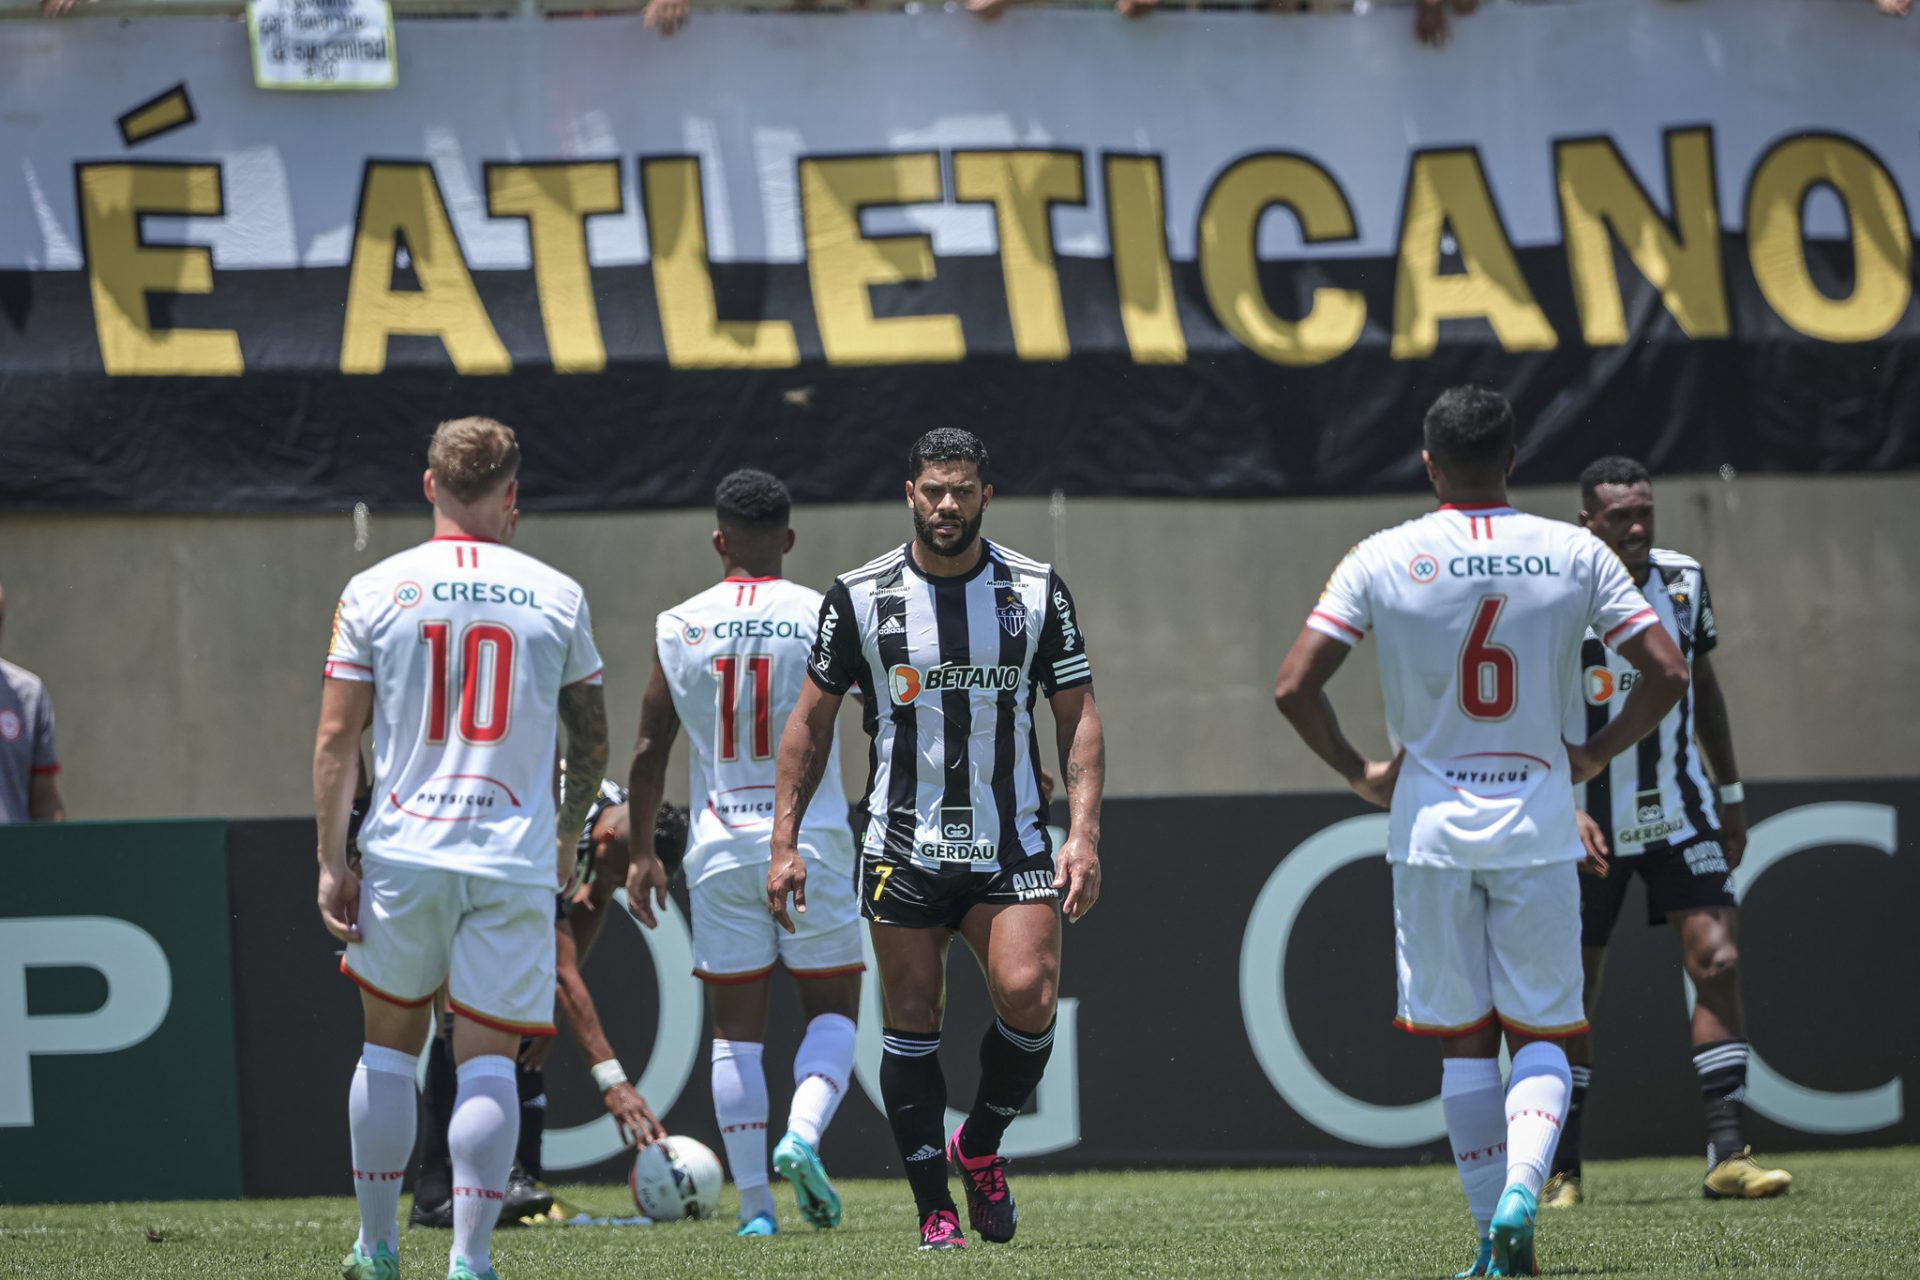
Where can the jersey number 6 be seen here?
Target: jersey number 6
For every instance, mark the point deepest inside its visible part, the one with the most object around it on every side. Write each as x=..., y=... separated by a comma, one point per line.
x=484, y=677
x=1488, y=673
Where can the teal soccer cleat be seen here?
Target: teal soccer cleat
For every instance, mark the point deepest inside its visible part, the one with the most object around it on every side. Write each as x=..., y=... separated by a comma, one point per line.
x=1481, y=1261
x=799, y=1164
x=1512, y=1234
x=461, y=1271
x=758, y=1227
x=378, y=1265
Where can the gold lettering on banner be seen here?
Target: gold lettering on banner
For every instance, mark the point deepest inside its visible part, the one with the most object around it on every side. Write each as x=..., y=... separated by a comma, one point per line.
x=1023, y=187
x=1876, y=223
x=696, y=337
x=122, y=269
x=400, y=203
x=844, y=264
x=1142, y=269
x=1447, y=191
x=556, y=200
x=1600, y=199
x=1230, y=258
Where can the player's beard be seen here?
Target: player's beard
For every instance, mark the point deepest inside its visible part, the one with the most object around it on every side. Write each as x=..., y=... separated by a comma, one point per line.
x=969, y=530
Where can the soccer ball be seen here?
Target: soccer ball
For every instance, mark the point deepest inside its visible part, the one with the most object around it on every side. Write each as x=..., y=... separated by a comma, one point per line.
x=675, y=1178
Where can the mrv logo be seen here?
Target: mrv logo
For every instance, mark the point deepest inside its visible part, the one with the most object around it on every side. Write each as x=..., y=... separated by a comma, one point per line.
x=908, y=683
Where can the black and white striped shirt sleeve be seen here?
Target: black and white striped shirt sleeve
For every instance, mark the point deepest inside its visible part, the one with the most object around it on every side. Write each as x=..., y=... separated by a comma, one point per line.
x=1060, y=659
x=835, y=662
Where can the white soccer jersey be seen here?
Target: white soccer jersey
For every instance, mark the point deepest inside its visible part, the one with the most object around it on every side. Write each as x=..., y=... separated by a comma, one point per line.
x=468, y=644
x=735, y=658
x=1656, y=794
x=1479, y=612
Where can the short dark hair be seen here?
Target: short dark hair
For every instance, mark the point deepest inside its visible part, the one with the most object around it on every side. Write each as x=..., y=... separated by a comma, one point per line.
x=947, y=444
x=1470, y=428
x=752, y=498
x=1613, y=469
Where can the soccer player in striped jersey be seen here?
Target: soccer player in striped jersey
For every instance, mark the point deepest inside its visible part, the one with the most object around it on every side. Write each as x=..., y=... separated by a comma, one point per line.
x=472, y=658
x=728, y=665
x=950, y=640
x=1655, y=811
x=1478, y=611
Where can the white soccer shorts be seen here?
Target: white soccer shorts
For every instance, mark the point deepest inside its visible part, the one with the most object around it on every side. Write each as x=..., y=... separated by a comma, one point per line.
x=736, y=939
x=489, y=941
x=1473, y=946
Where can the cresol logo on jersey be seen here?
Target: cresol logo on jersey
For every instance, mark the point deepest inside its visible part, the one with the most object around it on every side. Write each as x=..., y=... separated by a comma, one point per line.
x=1502, y=567
x=907, y=683
x=1423, y=569
x=406, y=595
x=484, y=593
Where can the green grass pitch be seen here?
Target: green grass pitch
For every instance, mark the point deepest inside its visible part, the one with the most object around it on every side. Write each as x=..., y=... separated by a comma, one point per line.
x=1853, y=1214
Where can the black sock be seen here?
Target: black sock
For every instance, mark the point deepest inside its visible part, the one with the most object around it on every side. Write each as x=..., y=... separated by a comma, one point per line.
x=433, y=1185
x=1011, y=1064
x=1566, y=1157
x=1723, y=1083
x=915, y=1092
x=533, y=1118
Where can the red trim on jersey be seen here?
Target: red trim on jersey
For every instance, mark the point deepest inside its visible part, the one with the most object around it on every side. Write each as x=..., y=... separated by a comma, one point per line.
x=461, y=537
x=1567, y=1032
x=45, y=770
x=372, y=990
x=808, y=975
x=1445, y=1033
x=1476, y=506
x=342, y=662
x=1642, y=616
x=732, y=979
x=1344, y=626
x=535, y=1029
x=594, y=674
x=769, y=578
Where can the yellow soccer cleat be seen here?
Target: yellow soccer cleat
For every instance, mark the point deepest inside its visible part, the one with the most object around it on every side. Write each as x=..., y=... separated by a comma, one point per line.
x=1741, y=1178
x=1561, y=1192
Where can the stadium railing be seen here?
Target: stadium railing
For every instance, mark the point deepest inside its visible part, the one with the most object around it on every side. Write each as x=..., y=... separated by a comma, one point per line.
x=573, y=8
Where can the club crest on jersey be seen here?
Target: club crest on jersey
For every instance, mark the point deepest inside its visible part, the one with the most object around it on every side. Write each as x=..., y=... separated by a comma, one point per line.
x=10, y=726
x=1423, y=569
x=407, y=594
x=1014, y=616
x=693, y=633
x=907, y=683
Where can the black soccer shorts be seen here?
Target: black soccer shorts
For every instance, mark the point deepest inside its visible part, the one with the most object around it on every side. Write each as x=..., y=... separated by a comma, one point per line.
x=898, y=891
x=1684, y=877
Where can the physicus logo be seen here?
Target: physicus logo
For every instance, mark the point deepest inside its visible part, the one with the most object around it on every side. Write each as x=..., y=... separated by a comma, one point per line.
x=1423, y=568
x=407, y=594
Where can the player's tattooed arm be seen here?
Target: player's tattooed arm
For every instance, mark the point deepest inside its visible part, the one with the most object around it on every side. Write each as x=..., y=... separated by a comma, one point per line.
x=583, y=715
x=646, y=782
x=1083, y=768
x=805, y=747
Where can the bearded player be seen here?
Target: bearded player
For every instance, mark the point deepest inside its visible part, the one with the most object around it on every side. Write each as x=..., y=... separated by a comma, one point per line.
x=950, y=640
x=1479, y=611
x=1661, y=816
x=472, y=657
x=729, y=665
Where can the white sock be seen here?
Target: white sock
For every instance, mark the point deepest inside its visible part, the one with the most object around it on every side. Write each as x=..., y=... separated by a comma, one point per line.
x=380, y=1116
x=1537, y=1102
x=484, y=1131
x=820, y=1072
x=1471, y=1100
x=740, y=1105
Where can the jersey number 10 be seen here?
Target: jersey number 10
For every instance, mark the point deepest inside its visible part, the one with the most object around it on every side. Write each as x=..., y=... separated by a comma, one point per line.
x=486, y=659
x=759, y=693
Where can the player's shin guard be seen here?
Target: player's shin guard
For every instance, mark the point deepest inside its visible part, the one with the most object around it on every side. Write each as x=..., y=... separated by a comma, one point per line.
x=1566, y=1157
x=740, y=1106
x=1475, y=1109
x=485, y=1128
x=1011, y=1064
x=1722, y=1067
x=380, y=1117
x=1536, y=1108
x=821, y=1071
x=914, y=1090
x=532, y=1087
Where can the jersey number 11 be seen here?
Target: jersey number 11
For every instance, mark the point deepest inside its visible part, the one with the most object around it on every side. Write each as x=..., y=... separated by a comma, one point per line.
x=759, y=693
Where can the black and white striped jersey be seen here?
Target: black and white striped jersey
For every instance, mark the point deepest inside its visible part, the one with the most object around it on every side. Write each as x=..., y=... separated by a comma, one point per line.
x=949, y=669
x=1656, y=793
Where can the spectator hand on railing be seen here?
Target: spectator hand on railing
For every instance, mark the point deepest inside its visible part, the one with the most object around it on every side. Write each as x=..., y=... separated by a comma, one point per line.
x=666, y=16
x=1430, y=19
x=1892, y=8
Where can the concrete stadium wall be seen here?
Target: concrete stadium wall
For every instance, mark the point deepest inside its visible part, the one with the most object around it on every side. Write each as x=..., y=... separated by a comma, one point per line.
x=183, y=653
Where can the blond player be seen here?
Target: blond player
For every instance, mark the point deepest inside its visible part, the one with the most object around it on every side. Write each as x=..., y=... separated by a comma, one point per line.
x=1478, y=611
x=729, y=665
x=471, y=656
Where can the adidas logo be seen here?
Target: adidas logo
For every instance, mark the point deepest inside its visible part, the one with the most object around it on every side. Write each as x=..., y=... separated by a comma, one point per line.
x=892, y=627
x=926, y=1152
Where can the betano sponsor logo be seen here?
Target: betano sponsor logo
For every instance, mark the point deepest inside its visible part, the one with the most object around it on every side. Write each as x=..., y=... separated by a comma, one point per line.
x=1603, y=684
x=907, y=683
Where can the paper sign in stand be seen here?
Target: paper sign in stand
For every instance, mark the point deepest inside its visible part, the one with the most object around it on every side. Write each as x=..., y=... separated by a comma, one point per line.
x=322, y=44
